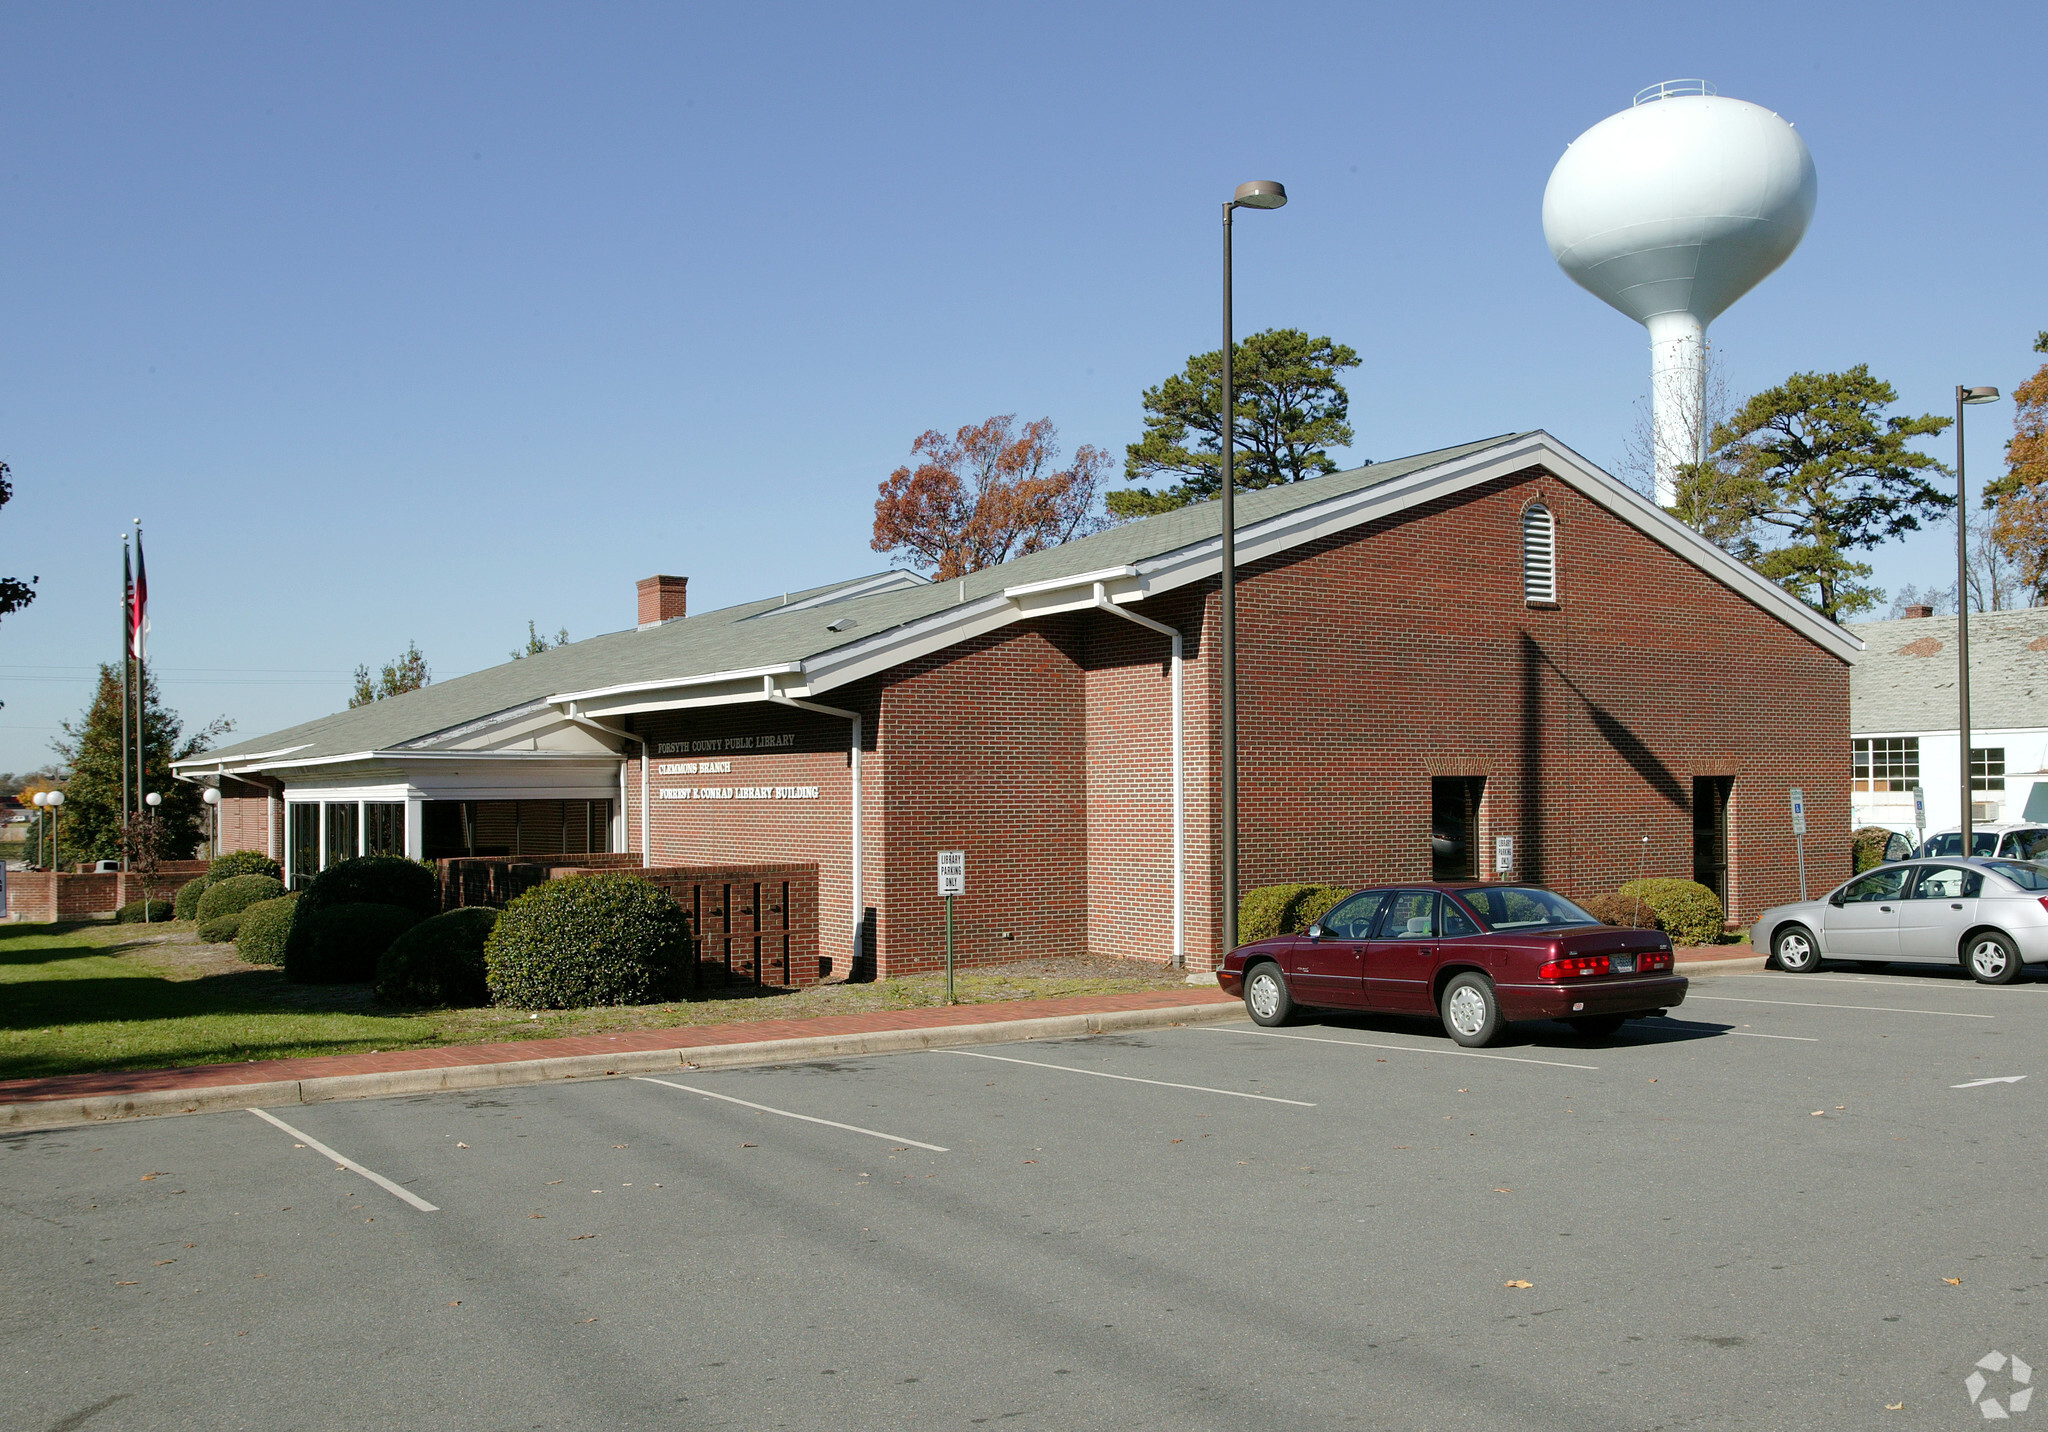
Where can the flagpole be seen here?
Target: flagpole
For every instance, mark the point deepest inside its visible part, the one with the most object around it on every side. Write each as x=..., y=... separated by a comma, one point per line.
x=127, y=603
x=141, y=618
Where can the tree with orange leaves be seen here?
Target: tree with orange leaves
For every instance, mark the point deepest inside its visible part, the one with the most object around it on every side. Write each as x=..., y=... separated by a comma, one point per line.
x=2021, y=496
x=986, y=494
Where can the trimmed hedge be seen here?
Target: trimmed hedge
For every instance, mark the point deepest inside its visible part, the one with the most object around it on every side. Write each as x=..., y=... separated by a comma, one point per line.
x=265, y=927
x=221, y=929
x=1283, y=909
x=1686, y=910
x=377, y=880
x=1866, y=847
x=186, y=903
x=1626, y=912
x=589, y=939
x=132, y=913
x=243, y=862
x=235, y=894
x=341, y=944
x=439, y=961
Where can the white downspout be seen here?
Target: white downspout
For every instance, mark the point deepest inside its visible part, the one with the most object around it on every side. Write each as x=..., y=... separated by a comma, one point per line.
x=646, y=829
x=860, y=906
x=1180, y=914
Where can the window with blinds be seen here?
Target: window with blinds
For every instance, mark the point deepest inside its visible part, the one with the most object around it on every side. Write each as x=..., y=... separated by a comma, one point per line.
x=1539, y=555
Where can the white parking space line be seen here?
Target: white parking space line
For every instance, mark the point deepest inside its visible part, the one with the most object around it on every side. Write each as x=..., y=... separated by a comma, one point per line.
x=787, y=1114
x=1129, y=1078
x=1679, y=1024
x=1898, y=981
x=1810, y=1004
x=348, y=1163
x=1403, y=1048
x=1995, y=1079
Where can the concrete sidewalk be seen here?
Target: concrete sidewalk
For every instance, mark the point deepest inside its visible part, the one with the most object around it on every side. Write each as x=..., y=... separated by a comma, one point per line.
x=94, y=1098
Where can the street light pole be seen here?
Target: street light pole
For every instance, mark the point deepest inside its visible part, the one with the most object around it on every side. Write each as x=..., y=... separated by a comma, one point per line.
x=1965, y=397
x=1258, y=194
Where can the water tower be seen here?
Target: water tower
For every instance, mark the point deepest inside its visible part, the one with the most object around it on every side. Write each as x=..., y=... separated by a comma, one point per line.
x=1670, y=211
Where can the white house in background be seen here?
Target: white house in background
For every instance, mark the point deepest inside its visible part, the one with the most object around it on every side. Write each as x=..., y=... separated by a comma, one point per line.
x=1903, y=723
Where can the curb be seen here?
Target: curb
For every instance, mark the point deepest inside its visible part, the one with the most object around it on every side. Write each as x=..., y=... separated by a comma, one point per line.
x=1747, y=965
x=58, y=1113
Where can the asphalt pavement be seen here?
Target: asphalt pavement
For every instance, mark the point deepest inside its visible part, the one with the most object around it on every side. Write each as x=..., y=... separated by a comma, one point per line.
x=1793, y=1204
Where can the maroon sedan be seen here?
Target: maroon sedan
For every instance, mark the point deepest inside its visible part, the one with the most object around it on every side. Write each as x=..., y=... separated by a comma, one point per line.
x=1477, y=955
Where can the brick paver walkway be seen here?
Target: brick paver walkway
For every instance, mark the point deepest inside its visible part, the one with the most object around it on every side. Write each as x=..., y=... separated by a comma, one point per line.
x=455, y=1056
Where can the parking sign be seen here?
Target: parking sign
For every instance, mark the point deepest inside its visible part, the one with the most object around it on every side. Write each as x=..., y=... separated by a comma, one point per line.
x=952, y=872
x=1798, y=811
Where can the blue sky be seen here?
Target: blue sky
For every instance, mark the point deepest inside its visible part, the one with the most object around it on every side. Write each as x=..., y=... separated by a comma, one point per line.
x=416, y=322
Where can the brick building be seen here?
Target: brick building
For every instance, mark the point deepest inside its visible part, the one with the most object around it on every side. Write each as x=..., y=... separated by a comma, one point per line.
x=1490, y=653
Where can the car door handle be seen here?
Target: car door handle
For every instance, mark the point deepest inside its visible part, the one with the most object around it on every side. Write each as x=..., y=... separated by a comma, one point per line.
x=1886, y=908
x=1955, y=907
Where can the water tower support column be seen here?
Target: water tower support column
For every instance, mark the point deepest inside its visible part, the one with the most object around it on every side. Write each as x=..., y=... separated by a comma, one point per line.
x=1678, y=375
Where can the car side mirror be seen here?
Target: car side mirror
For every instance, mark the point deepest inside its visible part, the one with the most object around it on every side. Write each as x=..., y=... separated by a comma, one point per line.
x=1838, y=900
x=1315, y=932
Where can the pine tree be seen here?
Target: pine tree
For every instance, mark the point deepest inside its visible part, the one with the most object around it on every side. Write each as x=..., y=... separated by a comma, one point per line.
x=91, y=748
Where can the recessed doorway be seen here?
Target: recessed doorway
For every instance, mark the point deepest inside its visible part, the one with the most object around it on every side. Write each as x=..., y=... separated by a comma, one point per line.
x=1710, y=833
x=1454, y=826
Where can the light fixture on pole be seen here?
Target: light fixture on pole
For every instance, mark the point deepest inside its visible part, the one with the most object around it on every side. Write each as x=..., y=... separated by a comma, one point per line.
x=1965, y=397
x=40, y=800
x=1258, y=194
x=211, y=795
x=55, y=801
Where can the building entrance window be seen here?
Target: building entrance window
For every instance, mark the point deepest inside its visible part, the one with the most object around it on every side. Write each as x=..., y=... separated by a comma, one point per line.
x=1454, y=826
x=384, y=827
x=341, y=832
x=1710, y=833
x=303, y=842
x=451, y=829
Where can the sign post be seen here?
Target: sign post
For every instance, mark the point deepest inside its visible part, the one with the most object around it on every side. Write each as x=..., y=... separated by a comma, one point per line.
x=1799, y=834
x=952, y=881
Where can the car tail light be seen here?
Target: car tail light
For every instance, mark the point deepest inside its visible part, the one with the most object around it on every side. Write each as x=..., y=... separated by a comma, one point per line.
x=2044, y=902
x=1655, y=963
x=1577, y=967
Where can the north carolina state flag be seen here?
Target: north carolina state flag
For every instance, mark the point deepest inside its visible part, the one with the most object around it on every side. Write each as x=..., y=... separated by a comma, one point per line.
x=138, y=603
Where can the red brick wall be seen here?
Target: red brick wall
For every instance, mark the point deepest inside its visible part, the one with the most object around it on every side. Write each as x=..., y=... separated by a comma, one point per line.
x=1371, y=661
x=983, y=749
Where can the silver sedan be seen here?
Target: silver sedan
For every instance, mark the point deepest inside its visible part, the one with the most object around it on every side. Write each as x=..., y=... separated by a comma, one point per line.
x=1991, y=916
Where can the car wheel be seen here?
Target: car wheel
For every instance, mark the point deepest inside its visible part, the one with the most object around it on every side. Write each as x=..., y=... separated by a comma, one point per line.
x=1991, y=958
x=1266, y=998
x=1794, y=951
x=1471, y=1013
x=1599, y=1025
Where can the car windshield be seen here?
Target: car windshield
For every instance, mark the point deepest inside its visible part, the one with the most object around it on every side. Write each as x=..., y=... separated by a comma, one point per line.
x=2026, y=876
x=1520, y=907
x=1982, y=842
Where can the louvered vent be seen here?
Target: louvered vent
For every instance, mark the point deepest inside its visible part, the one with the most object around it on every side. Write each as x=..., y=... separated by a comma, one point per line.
x=1539, y=555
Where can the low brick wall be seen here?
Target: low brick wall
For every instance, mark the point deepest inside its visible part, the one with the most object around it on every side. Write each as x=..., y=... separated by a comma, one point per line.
x=752, y=923
x=45, y=895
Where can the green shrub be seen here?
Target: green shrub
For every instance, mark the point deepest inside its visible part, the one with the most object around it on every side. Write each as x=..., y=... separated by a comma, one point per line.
x=439, y=961
x=1866, y=847
x=341, y=944
x=186, y=903
x=243, y=862
x=1628, y=912
x=221, y=929
x=1283, y=909
x=264, y=929
x=376, y=880
x=132, y=913
x=1686, y=910
x=235, y=894
x=589, y=939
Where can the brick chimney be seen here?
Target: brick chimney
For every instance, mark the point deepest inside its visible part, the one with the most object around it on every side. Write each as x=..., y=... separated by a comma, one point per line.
x=1910, y=611
x=662, y=599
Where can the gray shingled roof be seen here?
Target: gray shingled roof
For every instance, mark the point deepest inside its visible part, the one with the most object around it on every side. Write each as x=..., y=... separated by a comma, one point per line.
x=758, y=634
x=1907, y=679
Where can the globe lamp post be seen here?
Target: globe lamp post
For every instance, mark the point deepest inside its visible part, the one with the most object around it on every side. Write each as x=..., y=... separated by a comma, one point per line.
x=211, y=795
x=1258, y=194
x=1965, y=398
x=55, y=801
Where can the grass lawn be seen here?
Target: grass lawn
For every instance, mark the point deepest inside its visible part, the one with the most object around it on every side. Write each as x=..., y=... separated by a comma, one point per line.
x=89, y=997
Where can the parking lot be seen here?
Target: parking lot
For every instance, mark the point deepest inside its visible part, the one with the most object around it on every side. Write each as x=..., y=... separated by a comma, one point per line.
x=1795, y=1203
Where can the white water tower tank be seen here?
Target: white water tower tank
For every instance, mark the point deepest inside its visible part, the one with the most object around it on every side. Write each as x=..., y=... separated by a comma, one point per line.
x=1670, y=211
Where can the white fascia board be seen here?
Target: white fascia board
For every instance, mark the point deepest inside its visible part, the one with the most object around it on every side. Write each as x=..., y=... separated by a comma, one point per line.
x=752, y=674
x=241, y=760
x=1075, y=593
x=890, y=649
